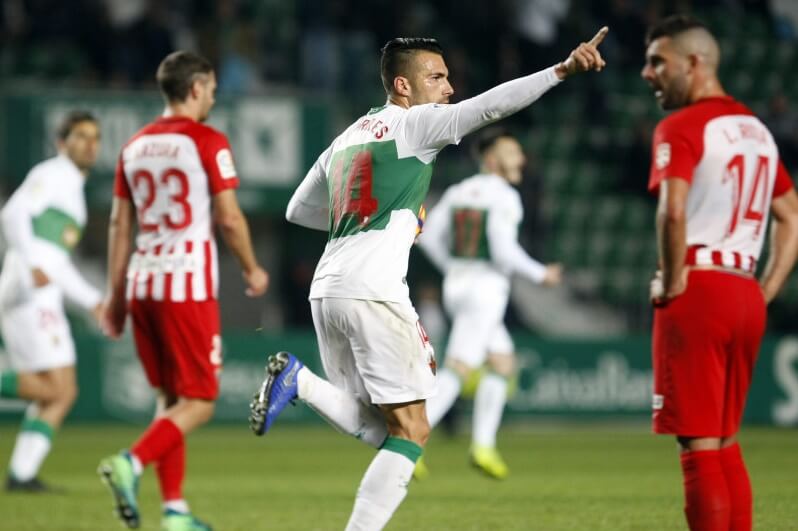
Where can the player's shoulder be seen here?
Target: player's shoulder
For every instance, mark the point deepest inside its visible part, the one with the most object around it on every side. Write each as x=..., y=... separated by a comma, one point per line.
x=200, y=133
x=694, y=117
x=53, y=166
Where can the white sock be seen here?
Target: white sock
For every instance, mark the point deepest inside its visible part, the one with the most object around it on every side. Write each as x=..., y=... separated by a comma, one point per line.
x=382, y=489
x=180, y=506
x=135, y=462
x=449, y=386
x=344, y=411
x=29, y=452
x=488, y=408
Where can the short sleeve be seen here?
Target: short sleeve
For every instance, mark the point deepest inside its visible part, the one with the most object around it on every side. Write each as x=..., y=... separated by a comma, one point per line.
x=672, y=156
x=121, y=185
x=217, y=160
x=783, y=181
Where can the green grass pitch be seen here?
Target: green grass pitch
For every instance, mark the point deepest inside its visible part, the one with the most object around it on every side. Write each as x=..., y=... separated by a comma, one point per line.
x=586, y=477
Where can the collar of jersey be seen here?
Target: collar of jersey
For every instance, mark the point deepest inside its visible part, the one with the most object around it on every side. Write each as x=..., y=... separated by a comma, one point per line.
x=177, y=118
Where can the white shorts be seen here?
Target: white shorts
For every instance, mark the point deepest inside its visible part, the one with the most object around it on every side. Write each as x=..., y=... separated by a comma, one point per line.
x=36, y=333
x=375, y=350
x=477, y=313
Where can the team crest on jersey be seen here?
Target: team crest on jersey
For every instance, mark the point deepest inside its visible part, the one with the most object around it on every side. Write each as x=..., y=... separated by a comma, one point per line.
x=662, y=156
x=224, y=160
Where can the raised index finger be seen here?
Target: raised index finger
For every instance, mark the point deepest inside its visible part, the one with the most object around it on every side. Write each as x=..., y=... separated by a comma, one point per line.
x=598, y=37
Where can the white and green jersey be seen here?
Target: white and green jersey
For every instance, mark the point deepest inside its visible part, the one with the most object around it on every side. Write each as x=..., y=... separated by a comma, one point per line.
x=367, y=188
x=473, y=230
x=42, y=223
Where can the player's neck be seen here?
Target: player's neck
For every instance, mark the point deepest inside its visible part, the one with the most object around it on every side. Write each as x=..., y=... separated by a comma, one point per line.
x=711, y=88
x=180, y=110
x=401, y=101
x=83, y=171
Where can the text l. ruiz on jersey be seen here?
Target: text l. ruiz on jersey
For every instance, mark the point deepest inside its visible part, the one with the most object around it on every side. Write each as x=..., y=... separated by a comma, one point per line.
x=746, y=131
x=376, y=127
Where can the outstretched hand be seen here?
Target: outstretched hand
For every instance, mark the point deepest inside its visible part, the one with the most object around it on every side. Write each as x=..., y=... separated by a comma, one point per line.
x=584, y=57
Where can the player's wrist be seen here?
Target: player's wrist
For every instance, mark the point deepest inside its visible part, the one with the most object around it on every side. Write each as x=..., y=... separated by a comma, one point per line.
x=561, y=70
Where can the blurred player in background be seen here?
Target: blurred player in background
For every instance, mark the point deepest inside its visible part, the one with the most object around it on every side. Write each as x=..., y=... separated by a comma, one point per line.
x=718, y=175
x=176, y=177
x=42, y=222
x=472, y=237
x=366, y=190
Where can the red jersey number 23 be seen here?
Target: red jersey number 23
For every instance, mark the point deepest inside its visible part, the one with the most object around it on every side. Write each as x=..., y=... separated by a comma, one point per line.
x=176, y=213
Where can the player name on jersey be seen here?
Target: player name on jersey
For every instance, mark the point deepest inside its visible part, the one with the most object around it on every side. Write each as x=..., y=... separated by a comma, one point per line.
x=170, y=170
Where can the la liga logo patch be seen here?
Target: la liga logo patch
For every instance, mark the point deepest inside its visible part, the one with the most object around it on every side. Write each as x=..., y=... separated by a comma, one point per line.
x=224, y=160
x=662, y=155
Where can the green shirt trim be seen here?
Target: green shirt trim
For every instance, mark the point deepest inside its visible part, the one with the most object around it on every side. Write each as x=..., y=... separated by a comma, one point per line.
x=58, y=227
x=368, y=182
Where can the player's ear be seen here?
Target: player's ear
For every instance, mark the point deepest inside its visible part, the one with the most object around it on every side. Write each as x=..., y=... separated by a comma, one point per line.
x=194, y=91
x=401, y=86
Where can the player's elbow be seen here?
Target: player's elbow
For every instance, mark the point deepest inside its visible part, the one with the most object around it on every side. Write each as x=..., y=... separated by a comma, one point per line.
x=291, y=212
x=228, y=221
x=672, y=214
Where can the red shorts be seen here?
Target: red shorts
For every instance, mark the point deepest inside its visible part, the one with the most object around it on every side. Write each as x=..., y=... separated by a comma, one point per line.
x=705, y=344
x=179, y=345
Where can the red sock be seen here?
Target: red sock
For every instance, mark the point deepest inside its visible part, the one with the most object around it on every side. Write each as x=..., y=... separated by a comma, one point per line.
x=731, y=459
x=161, y=437
x=171, y=468
x=706, y=496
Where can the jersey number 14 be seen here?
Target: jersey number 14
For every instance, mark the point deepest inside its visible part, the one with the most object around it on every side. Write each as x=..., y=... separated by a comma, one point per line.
x=352, y=195
x=757, y=198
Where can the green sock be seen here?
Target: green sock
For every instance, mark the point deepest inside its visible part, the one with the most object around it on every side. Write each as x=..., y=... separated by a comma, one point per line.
x=403, y=447
x=9, y=384
x=37, y=425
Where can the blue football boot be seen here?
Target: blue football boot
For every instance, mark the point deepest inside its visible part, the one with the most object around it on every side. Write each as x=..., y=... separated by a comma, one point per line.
x=277, y=391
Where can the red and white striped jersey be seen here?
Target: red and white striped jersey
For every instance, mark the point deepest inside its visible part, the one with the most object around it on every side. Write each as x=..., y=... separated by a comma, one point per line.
x=732, y=164
x=170, y=170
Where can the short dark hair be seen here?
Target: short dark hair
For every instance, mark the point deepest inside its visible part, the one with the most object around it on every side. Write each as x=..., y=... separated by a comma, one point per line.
x=487, y=139
x=396, y=55
x=672, y=26
x=178, y=71
x=72, y=119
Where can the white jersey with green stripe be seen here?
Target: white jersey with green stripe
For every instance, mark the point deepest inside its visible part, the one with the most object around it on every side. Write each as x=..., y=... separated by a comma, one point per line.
x=378, y=173
x=473, y=229
x=42, y=223
x=367, y=188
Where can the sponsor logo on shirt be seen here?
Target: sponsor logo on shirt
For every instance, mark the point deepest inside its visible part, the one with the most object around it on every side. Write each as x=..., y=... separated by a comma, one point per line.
x=662, y=156
x=224, y=160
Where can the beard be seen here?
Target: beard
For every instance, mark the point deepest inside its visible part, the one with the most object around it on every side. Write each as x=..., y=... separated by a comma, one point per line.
x=676, y=96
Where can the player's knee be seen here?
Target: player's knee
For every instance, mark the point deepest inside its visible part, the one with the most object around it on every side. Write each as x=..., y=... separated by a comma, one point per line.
x=412, y=429
x=417, y=431
x=503, y=365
